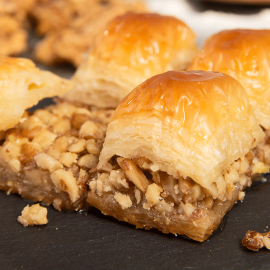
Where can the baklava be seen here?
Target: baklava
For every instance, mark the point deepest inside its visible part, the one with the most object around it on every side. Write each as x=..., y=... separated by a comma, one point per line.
x=70, y=26
x=177, y=153
x=245, y=55
x=13, y=25
x=132, y=48
x=46, y=155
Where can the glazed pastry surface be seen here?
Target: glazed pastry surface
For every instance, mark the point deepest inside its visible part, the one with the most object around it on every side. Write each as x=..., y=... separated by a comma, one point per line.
x=132, y=48
x=245, y=55
x=188, y=124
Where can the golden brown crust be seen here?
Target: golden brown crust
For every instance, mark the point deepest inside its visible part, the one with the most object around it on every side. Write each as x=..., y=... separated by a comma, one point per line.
x=132, y=48
x=191, y=124
x=22, y=86
x=245, y=55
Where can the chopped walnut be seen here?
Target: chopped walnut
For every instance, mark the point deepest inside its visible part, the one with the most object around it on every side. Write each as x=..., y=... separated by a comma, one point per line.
x=61, y=126
x=92, y=147
x=118, y=179
x=90, y=130
x=77, y=147
x=123, y=200
x=100, y=184
x=137, y=194
x=152, y=195
x=88, y=161
x=33, y=215
x=133, y=173
x=254, y=240
x=68, y=158
x=188, y=208
x=45, y=138
x=47, y=162
x=65, y=181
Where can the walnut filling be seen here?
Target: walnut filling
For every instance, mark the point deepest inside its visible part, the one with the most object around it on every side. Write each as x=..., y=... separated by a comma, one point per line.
x=48, y=155
x=138, y=183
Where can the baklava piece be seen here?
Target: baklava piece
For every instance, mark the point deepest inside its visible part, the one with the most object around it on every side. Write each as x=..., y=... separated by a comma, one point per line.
x=132, y=48
x=71, y=25
x=48, y=155
x=245, y=55
x=177, y=154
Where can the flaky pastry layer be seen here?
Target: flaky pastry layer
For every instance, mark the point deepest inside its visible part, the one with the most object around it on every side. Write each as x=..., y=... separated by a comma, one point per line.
x=190, y=124
x=129, y=50
x=22, y=86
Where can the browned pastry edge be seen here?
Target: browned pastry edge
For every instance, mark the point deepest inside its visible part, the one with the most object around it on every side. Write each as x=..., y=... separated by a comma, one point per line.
x=145, y=219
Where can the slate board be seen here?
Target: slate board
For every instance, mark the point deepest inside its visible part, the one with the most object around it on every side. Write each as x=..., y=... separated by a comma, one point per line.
x=91, y=240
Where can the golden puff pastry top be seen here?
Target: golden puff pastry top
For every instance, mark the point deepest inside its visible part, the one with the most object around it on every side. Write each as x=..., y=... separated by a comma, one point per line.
x=190, y=124
x=23, y=85
x=245, y=55
x=132, y=48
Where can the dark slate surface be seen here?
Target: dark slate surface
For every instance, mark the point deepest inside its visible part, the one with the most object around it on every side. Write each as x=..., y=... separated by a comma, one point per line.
x=91, y=240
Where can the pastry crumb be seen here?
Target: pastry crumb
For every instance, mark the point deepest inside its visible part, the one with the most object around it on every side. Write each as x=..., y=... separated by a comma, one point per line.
x=33, y=215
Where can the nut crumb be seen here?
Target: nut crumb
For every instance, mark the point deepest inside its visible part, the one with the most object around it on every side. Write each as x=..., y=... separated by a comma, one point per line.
x=123, y=200
x=254, y=240
x=33, y=215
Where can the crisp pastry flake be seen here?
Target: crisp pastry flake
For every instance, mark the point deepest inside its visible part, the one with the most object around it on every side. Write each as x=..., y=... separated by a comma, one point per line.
x=22, y=86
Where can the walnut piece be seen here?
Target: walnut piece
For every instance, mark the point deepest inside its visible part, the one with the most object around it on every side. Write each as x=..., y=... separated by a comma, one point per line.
x=254, y=240
x=133, y=173
x=33, y=215
x=65, y=181
x=123, y=200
